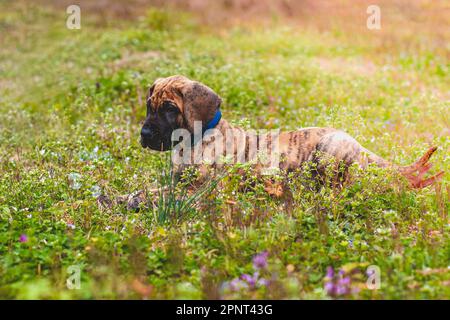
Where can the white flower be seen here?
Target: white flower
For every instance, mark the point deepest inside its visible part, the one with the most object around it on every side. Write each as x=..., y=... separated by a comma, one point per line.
x=96, y=191
x=74, y=180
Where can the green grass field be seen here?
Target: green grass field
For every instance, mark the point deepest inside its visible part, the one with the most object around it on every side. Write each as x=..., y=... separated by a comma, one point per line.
x=71, y=104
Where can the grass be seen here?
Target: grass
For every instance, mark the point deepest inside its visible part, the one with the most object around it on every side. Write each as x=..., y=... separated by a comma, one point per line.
x=71, y=102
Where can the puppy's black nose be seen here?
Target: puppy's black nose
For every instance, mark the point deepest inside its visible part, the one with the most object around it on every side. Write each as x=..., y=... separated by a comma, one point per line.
x=146, y=132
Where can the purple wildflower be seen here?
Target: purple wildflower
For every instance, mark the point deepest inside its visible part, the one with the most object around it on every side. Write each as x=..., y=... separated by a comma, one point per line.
x=343, y=286
x=254, y=281
x=237, y=284
x=330, y=288
x=337, y=285
x=260, y=260
x=23, y=238
x=330, y=273
x=251, y=280
x=247, y=281
x=263, y=282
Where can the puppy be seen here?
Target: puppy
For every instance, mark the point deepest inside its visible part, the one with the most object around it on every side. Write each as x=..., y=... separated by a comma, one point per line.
x=178, y=103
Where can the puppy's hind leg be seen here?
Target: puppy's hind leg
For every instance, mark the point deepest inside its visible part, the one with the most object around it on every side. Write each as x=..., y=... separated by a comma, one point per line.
x=345, y=148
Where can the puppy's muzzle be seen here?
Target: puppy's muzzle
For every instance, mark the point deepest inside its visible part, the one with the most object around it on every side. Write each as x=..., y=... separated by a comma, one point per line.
x=148, y=137
x=153, y=139
x=146, y=133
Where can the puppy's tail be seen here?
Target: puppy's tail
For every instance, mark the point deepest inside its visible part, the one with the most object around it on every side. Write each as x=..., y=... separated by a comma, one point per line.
x=415, y=172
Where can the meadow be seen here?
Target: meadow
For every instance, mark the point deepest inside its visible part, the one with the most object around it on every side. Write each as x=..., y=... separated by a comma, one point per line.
x=71, y=107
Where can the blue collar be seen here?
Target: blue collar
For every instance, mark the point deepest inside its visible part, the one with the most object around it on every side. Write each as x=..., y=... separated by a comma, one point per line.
x=213, y=123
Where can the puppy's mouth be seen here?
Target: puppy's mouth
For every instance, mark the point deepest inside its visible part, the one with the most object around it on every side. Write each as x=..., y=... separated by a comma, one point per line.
x=157, y=144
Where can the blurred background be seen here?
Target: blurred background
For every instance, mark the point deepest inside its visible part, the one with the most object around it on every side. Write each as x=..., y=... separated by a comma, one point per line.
x=405, y=23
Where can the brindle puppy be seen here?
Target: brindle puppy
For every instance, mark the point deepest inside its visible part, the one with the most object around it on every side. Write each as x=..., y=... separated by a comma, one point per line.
x=176, y=102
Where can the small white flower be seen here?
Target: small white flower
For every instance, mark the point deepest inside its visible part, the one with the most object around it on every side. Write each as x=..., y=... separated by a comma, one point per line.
x=74, y=180
x=71, y=226
x=96, y=191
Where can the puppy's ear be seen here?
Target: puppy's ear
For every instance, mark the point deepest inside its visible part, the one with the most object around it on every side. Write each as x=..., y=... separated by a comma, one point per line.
x=147, y=99
x=150, y=91
x=200, y=103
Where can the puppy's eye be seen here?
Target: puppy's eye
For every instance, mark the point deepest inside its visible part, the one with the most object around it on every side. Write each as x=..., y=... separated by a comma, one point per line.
x=169, y=108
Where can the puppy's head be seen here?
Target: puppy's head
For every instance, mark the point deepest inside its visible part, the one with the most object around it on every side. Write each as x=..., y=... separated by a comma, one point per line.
x=173, y=103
